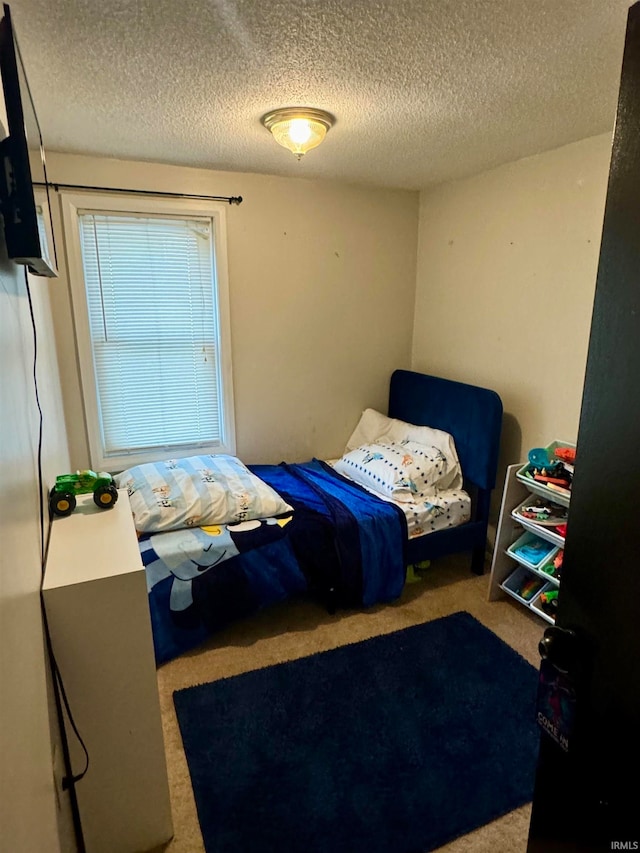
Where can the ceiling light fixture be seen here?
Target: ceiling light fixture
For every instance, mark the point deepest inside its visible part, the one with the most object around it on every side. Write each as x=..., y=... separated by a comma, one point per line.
x=298, y=128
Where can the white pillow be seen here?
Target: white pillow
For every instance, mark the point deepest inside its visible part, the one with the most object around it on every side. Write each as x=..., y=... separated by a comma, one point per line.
x=196, y=491
x=374, y=427
x=403, y=471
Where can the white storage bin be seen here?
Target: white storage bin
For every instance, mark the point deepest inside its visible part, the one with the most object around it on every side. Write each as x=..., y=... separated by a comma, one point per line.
x=553, y=578
x=540, y=488
x=536, y=604
x=544, y=529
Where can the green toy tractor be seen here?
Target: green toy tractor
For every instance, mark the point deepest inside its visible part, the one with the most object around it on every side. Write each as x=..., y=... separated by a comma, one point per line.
x=62, y=498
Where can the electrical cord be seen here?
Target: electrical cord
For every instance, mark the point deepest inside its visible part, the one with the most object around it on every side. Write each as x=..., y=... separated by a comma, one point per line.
x=60, y=694
x=70, y=779
x=40, y=417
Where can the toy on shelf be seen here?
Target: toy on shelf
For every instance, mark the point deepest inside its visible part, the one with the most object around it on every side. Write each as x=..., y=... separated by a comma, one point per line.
x=548, y=602
x=551, y=469
x=532, y=549
x=566, y=455
x=529, y=588
x=543, y=512
x=554, y=567
x=62, y=497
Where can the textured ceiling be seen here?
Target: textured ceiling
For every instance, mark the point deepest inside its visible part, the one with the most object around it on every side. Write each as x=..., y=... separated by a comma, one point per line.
x=423, y=90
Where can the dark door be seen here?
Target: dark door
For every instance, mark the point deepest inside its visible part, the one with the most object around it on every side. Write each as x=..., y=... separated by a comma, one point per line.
x=588, y=798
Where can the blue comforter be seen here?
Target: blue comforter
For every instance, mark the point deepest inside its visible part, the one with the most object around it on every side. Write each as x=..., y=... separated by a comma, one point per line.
x=341, y=543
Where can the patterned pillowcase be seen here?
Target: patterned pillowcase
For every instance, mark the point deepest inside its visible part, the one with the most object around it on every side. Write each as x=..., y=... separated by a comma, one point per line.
x=196, y=491
x=404, y=471
x=375, y=428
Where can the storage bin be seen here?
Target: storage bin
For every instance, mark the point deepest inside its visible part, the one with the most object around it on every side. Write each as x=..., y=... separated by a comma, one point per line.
x=555, y=573
x=540, y=488
x=544, y=529
x=524, y=585
x=545, y=550
x=537, y=606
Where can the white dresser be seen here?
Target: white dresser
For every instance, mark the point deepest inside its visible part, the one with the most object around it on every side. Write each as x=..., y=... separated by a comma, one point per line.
x=95, y=597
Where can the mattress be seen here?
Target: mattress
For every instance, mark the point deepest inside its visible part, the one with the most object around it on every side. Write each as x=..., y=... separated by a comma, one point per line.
x=448, y=508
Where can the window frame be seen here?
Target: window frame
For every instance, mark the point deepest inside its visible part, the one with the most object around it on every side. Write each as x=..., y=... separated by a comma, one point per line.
x=74, y=203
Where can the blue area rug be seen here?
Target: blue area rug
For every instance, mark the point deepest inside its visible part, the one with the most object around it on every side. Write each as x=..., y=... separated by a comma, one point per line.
x=397, y=744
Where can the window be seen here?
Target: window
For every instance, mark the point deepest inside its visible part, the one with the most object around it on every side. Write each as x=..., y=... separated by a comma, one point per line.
x=150, y=301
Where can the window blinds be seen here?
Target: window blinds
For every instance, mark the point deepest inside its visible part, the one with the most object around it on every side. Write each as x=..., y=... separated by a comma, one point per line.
x=153, y=317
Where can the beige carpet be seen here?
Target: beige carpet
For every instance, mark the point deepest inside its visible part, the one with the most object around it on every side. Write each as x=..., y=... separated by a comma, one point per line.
x=300, y=628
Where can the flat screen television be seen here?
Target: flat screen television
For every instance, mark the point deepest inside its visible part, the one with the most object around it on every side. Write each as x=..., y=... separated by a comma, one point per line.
x=27, y=221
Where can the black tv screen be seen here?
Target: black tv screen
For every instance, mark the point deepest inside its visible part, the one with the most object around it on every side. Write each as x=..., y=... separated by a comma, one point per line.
x=27, y=222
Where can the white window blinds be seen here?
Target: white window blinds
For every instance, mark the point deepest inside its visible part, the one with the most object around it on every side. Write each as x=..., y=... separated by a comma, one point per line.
x=153, y=317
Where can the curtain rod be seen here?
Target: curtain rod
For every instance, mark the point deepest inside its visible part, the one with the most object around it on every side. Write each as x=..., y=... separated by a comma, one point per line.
x=237, y=199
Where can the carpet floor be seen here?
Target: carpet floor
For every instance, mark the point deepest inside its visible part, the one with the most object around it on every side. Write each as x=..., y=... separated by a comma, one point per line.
x=297, y=629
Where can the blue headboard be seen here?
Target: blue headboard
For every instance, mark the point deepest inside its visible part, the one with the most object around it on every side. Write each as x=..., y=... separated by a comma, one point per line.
x=472, y=415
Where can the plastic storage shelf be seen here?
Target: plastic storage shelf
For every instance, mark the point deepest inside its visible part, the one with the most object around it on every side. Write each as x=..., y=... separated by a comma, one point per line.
x=509, y=569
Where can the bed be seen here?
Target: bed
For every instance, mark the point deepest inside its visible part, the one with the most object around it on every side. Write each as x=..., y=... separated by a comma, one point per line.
x=473, y=416
x=328, y=536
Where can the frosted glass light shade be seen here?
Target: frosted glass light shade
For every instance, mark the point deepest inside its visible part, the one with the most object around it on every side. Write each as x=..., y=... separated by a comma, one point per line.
x=298, y=128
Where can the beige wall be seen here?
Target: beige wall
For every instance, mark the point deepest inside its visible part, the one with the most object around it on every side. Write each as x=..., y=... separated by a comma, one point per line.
x=28, y=811
x=507, y=264
x=322, y=288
